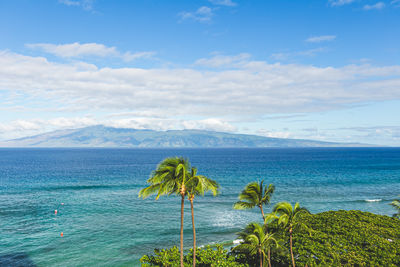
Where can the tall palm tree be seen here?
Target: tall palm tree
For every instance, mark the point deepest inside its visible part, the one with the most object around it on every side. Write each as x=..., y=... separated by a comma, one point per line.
x=197, y=185
x=396, y=204
x=256, y=240
x=255, y=194
x=169, y=178
x=289, y=218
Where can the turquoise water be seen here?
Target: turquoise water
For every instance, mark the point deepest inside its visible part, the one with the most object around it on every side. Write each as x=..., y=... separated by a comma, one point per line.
x=105, y=224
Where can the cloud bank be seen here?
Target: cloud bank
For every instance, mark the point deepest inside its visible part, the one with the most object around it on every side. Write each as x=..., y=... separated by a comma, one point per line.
x=77, y=50
x=239, y=87
x=223, y=2
x=379, y=5
x=85, y=4
x=322, y=38
x=202, y=14
x=340, y=2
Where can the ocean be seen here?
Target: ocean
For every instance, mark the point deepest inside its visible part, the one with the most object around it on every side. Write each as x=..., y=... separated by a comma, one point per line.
x=104, y=223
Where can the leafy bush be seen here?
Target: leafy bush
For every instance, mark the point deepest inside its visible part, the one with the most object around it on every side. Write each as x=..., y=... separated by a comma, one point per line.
x=338, y=238
x=205, y=257
x=346, y=238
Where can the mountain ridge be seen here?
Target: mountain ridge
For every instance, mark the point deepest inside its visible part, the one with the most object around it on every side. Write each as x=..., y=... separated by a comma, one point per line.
x=102, y=136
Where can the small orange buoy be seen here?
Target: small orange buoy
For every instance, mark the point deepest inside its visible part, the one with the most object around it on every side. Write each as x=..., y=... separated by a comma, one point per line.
x=62, y=234
x=55, y=211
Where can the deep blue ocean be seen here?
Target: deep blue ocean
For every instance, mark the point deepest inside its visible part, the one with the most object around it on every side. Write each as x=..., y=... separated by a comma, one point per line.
x=104, y=223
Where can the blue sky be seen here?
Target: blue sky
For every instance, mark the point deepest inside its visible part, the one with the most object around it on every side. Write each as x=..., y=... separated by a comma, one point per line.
x=326, y=70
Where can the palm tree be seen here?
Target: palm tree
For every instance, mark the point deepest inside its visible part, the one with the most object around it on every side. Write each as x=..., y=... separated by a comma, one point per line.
x=197, y=185
x=256, y=240
x=396, y=204
x=169, y=178
x=289, y=218
x=255, y=194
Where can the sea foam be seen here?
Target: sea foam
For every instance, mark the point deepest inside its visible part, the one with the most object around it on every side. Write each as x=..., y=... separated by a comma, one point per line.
x=237, y=241
x=373, y=200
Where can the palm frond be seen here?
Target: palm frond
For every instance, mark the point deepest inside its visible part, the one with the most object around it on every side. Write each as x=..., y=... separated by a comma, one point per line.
x=270, y=217
x=168, y=178
x=200, y=184
x=249, y=196
x=396, y=204
x=241, y=205
x=150, y=190
x=284, y=220
x=283, y=208
x=246, y=248
x=268, y=191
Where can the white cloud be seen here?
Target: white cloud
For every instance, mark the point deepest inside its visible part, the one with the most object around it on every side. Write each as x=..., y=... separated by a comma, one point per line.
x=382, y=134
x=281, y=56
x=223, y=2
x=223, y=60
x=274, y=133
x=202, y=14
x=308, y=53
x=77, y=50
x=145, y=114
x=21, y=128
x=85, y=4
x=312, y=52
x=128, y=56
x=212, y=124
x=322, y=38
x=395, y=3
x=340, y=2
x=247, y=88
x=379, y=5
x=70, y=2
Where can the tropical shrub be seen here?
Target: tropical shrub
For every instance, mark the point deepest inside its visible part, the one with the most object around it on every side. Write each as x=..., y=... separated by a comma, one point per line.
x=345, y=238
x=205, y=257
x=396, y=204
x=339, y=238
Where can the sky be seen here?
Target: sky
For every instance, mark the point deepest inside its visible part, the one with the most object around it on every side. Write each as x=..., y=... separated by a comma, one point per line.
x=318, y=69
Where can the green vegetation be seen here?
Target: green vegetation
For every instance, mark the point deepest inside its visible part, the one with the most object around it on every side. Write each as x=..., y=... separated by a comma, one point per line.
x=256, y=240
x=290, y=235
x=339, y=238
x=197, y=186
x=175, y=176
x=396, y=204
x=169, y=178
x=254, y=194
x=347, y=238
x=289, y=219
x=206, y=257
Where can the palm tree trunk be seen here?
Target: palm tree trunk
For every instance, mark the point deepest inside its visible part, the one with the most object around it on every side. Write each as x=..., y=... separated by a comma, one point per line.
x=182, y=206
x=262, y=212
x=261, y=259
x=194, y=232
x=291, y=247
x=269, y=251
x=269, y=257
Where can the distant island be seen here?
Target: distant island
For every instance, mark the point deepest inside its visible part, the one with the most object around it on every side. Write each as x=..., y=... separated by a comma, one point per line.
x=102, y=136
